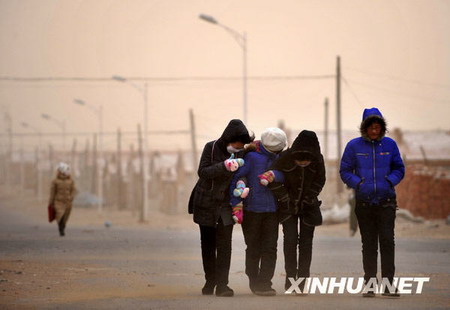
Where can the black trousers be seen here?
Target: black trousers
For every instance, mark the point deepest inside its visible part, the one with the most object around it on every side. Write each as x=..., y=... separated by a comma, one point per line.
x=297, y=234
x=376, y=224
x=216, y=252
x=261, y=237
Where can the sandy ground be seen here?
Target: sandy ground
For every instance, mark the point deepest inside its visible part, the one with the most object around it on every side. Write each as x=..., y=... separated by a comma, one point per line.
x=27, y=204
x=157, y=264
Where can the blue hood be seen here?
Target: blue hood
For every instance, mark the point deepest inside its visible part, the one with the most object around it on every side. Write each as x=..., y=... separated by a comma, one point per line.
x=369, y=116
x=371, y=112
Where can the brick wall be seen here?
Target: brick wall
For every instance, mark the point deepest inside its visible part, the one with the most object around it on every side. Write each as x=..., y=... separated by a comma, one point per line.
x=425, y=191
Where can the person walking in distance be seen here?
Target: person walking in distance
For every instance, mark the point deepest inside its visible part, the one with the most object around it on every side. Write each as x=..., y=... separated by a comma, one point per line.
x=62, y=193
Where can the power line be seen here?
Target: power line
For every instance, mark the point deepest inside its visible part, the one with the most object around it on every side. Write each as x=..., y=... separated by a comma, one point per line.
x=391, y=77
x=352, y=92
x=48, y=134
x=427, y=99
x=165, y=79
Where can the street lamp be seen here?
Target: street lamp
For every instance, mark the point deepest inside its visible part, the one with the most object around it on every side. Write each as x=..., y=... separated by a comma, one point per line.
x=241, y=39
x=143, y=92
x=60, y=124
x=99, y=112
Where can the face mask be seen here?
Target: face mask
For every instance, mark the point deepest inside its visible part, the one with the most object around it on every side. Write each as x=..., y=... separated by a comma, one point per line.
x=232, y=150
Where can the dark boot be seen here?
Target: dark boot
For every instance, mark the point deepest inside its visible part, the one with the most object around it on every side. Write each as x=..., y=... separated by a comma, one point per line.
x=253, y=283
x=208, y=288
x=388, y=293
x=224, y=291
x=265, y=290
x=61, y=228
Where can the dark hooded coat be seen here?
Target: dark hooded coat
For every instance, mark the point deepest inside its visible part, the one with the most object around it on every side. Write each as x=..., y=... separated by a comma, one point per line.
x=298, y=193
x=211, y=192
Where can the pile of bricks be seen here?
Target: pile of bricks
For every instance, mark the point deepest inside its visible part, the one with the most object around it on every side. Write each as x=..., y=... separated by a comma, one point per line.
x=425, y=191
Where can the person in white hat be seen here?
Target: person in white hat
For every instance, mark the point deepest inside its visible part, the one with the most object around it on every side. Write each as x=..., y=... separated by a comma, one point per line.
x=62, y=194
x=296, y=179
x=257, y=212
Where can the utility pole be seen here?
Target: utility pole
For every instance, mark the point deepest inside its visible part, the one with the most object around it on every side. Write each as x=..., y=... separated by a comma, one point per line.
x=193, y=141
x=340, y=185
x=22, y=168
x=38, y=173
x=9, y=154
x=96, y=172
x=326, y=131
x=73, y=154
x=119, y=170
x=143, y=213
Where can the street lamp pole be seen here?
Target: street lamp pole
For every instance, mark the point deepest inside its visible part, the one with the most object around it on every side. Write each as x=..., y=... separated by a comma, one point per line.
x=144, y=93
x=99, y=112
x=241, y=39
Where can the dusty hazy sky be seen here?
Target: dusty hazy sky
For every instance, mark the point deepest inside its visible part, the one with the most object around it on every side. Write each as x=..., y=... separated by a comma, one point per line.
x=395, y=55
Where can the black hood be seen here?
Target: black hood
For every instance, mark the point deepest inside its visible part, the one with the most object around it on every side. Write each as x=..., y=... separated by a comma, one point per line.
x=306, y=143
x=305, y=146
x=236, y=132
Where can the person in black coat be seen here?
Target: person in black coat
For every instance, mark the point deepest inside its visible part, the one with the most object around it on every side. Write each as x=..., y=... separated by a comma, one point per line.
x=210, y=204
x=296, y=179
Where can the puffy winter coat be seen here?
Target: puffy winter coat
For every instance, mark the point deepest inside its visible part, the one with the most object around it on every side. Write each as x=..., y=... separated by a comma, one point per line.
x=211, y=192
x=372, y=167
x=297, y=188
x=62, y=193
x=260, y=198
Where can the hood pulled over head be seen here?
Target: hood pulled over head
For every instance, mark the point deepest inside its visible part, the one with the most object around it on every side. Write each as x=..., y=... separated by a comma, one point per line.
x=370, y=116
x=236, y=132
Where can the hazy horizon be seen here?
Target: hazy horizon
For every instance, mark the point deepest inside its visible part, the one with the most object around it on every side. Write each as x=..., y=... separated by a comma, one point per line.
x=394, y=54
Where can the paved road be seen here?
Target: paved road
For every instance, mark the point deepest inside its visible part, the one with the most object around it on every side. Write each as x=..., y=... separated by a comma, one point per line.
x=137, y=268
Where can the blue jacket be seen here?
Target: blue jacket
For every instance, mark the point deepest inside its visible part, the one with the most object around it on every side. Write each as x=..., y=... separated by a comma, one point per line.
x=372, y=167
x=260, y=198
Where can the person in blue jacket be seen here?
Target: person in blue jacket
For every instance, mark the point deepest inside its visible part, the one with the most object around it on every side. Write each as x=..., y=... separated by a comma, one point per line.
x=260, y=221
x=296, y=179
x=372, y=165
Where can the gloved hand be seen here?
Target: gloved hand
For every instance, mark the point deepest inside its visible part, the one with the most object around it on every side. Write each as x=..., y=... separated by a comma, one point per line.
x=233, y=164
x=266, y=178
x=238, y=213
x=241, y=190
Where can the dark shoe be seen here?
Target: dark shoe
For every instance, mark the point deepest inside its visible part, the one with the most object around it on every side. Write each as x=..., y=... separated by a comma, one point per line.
x=266, y=292
x=224, y=291
x=253, y=286
x=387, y=293
x=61, y=228
x=301, y=286
x=369, y=294
x=208, y=289
x=287, y=283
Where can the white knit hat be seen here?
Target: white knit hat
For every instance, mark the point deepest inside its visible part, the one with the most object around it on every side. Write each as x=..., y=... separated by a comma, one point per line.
x=274, y=139
x=64, y=168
